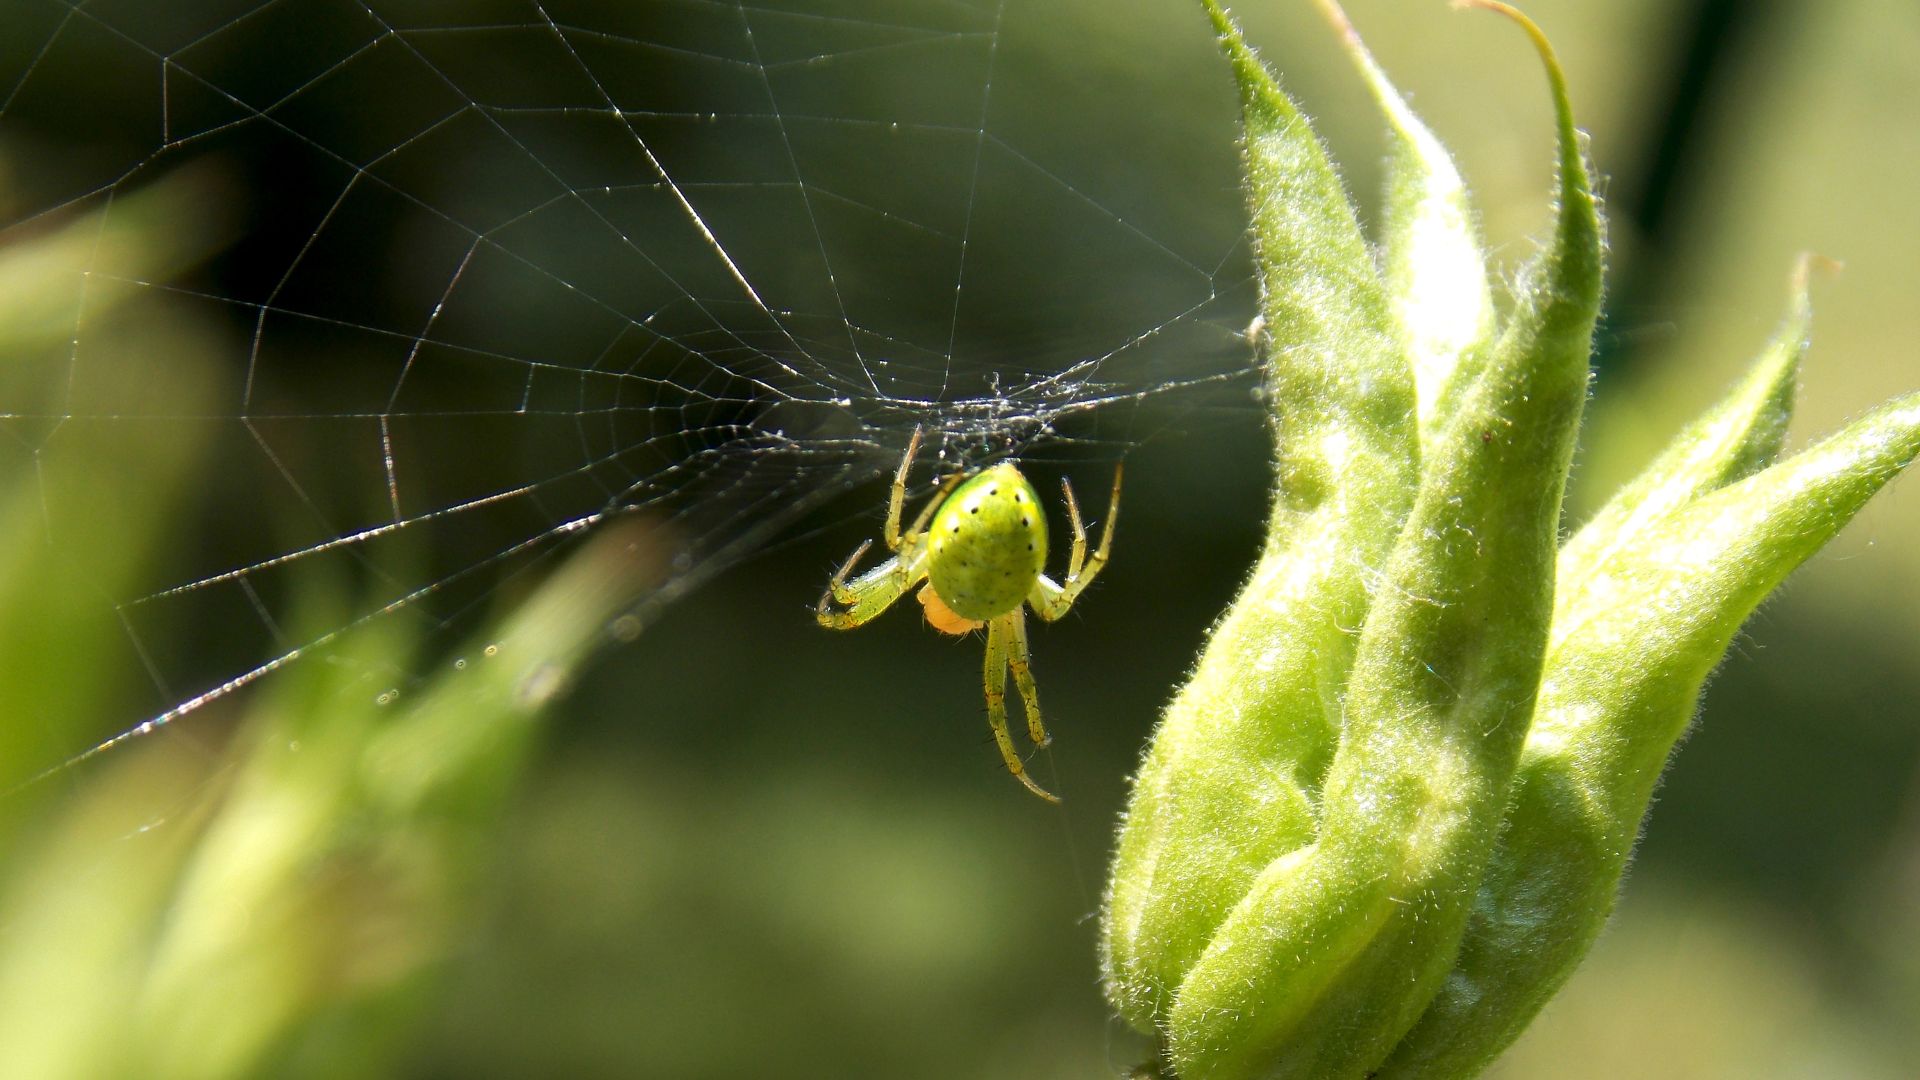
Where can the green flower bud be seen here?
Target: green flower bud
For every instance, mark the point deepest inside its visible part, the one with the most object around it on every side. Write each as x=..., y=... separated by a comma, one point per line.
x=1388, y=813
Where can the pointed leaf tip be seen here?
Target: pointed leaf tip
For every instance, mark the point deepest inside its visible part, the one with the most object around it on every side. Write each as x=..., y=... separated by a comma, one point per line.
x=1735, y=439
x=1574, y=182
x=1432, y=262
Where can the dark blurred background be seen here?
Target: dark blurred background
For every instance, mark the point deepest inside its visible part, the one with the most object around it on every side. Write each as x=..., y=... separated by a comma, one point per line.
x=748, y=847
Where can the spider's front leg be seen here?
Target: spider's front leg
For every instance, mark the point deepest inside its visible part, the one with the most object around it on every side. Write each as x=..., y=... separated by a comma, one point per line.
x=869, y=594
x=897, y=495
x=897, y=499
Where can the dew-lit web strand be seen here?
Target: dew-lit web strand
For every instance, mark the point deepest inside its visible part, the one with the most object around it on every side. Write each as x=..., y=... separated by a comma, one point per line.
x=806, y=198
x=73, y=367
x=80, y=308
x=73, y=360
x=800, y=183
x=884, y=214
x=406, y=367
x=1093, y=363
x=778, y=512
x=631, y=323
x=253, y=114
x=569, y=193
x=353, y=540
x=373, y=532
x=1059, y=378
x=704, y=115
x=363, y=171
x=1096, y=205
x=973, y=192
x=255, y=674
x=433, y=319
x=1068, y=378
x=268, y=305
x=686, y=205
x=358, y=172
x=253, y=358
x=300, y=491
x=40, y=54
x=387, y=462
x=864, y=50
x=159, y=679
x=560, y=370
x=582, y=411
x=805, y=189
x=678, y=387
x=388, y=32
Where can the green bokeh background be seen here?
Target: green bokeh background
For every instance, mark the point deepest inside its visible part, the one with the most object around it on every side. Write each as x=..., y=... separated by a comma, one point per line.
x=745, y=847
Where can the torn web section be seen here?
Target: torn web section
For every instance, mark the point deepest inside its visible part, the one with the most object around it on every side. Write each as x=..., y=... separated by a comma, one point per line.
x=498, y=273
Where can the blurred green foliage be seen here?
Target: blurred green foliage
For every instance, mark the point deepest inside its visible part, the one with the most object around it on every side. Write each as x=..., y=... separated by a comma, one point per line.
x=269, y=909
x=744, y=847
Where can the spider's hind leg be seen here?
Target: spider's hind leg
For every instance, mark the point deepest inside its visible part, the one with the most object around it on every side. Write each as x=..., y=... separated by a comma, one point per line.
x=1017, y=659
x=1001, y=633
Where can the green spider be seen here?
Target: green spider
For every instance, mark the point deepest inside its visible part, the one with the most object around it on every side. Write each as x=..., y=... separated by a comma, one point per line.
x=982, y=559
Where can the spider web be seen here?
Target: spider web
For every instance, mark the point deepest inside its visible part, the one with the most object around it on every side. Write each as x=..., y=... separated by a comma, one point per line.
x=498, y=272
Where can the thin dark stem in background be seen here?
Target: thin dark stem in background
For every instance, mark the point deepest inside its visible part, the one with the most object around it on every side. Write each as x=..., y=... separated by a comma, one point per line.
x=1659, y=200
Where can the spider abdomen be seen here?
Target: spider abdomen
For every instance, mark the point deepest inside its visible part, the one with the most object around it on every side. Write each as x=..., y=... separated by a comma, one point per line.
x=987, y=544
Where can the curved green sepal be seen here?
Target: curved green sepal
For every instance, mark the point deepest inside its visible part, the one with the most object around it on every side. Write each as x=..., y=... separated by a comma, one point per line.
x=1229, y=782
x=1736, y=438
x=1435, y=270
x=1622, y=682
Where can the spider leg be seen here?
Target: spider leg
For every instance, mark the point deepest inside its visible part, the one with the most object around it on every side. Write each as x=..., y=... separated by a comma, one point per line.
x=1050, y=601
x=999, y=631
x=1017, y=659
x=897, y=497
x=1079, y=555
x=1113, y=515
x=837, y=587
x=869, y=594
